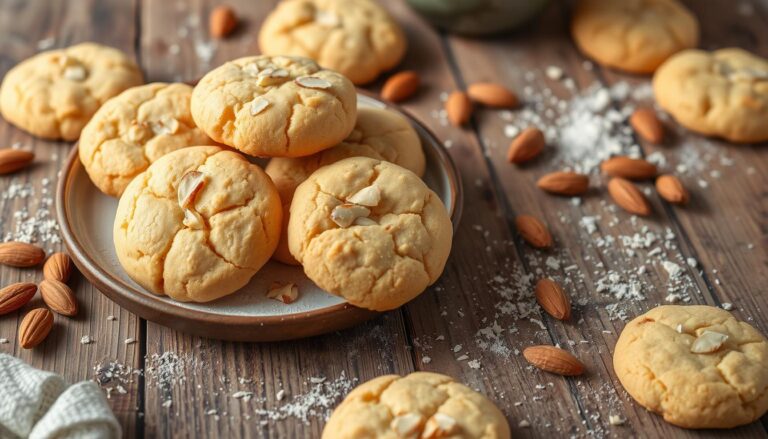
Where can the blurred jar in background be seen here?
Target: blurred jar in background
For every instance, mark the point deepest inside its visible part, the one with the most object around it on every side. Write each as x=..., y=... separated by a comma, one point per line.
x=478, y=17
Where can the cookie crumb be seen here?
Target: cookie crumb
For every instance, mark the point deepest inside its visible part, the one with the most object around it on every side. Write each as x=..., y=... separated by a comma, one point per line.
x=524, y=424
x=615, y=420
x=426, y=360
x=130, y=340
x=3, y=340
x=727, y=306
x=86, y=339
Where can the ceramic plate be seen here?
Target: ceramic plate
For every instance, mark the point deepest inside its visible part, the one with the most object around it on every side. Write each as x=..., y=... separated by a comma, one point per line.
x=86, y=216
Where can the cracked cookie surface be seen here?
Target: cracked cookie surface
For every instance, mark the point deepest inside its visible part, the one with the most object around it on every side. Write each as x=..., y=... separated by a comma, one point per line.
x=722, y=93
x=369, y=231
x=275, y=106
x=354, y=37
x=134, y=129
x=239, y=211
x=53, y=94
x=633, y=35
x=379, y=134
x=419, y=405
x=721, y=387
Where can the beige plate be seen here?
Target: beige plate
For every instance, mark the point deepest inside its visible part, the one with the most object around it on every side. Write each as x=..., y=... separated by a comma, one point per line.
x=86, y=216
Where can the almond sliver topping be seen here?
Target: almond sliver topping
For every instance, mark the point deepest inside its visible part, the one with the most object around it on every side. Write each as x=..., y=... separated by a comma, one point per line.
x=439, y=425
x=327, y=18
x=286, y=293
x=251, y=69
x=407, y=425
x=193, y=220
x=258, y=105
x=166, y=125
x=313, y=82
x=367, y=196
x=708, y=342
x=191, y=183
x=74, y=73
x=363, y=221
x=345, y=214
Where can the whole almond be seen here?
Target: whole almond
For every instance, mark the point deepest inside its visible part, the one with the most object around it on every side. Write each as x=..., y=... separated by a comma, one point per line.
x=21, y=254
x=671, y=189
x=492, y=95
x=59, y=297
x=552, y=359
x=58, y=267
x=401, y=86
x=564, y=183
x=14, y=296
x=526, y=146
x=459, y=108
x=11, y=160
x=647, y=125
x=626, y=167
x=533, y=231
x=628, y=196
x=35, y=326
x=553, y=299
x=222, y=21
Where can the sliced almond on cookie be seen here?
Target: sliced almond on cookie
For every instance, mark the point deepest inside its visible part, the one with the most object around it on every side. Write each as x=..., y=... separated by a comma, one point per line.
x=75, y=73
x=346, y=214
x=284, y=292
x=327, y=18
x=258, y=105
x=368, y=196
x=708, y=342
x=193, y=220
x=439, y=425
x=164, y=126
x=313, y=82
x=189, y=186
x=407, y=425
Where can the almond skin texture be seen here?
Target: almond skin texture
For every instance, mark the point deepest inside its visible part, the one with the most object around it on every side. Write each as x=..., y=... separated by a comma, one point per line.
x=492, y=95
x=222, y=21
x=533, y=231
x=14, y=296
x=553, y=299
x=459, y=108
x=647, y=125
x=629, y=168
x=59, y=297
x=554, y=360
x=58, y=267
x=401, y=86
x=35, y=326
x=671, y=189
x=628, y=196
x=526, y=146
x=564, y=183
x=20, y=254
x=11, y=160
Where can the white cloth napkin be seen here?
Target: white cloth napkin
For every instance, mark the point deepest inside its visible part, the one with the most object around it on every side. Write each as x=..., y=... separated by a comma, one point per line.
x=39, y=405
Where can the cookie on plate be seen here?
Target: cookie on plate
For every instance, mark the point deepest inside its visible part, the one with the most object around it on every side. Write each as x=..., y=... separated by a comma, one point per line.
x=379, y=134
x=197, y=224
x=134, y=129
x=633, y=35
x=275, y=106
x=355, y=37
x=369, y=231
x=722, y=93
x=53, y=94
x=419, y=405
x=697, y=366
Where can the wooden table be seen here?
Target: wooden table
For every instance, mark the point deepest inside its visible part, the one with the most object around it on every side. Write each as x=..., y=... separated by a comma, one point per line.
x=446, y=329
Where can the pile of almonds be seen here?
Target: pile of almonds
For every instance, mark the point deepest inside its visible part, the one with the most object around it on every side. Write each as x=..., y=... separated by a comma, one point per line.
x=37, y=324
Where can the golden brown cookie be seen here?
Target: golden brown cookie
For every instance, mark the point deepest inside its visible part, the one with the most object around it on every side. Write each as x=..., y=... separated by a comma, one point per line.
x=379, y=134
x=697, y=366
x=53, y=94
x=134, y=129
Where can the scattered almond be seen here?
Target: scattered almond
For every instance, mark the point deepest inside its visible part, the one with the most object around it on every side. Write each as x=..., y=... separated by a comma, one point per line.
x=14, y=296
x=59, y=297
x=438, y=426
x=459, y=108
x=632, y=169
x=21, y=254
x=647, y=125
x=492, y=95
x=553, y=299
x=407, y=424
x=58, y=267
x=190, y=184
x=222, y=21
x=628, y=196
x=346, y=214
x=564, y=183
x=671, y=189
x=708, y=342
x=533, y=231
x=369, y=196
x=552, y=359
x=284, y=292
x=401, y=86
x=11, y=160
x=526, y=146
x=35, y=326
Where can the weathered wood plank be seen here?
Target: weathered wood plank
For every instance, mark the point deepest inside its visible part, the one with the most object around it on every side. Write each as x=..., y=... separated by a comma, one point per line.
x=25, y=28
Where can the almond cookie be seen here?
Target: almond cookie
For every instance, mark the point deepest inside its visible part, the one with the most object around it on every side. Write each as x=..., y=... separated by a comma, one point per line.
x=134, y=129
x=355, y=37
x=53, y=94
x=697, y=366
x=369, y=231
x=722, y=93
x=379, y=134
x=275, y=106
x=420, y=405
x=633, y=35
x=197, y=224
